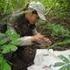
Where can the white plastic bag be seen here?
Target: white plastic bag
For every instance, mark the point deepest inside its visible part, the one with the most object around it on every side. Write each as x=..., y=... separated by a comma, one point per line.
x=45, y=59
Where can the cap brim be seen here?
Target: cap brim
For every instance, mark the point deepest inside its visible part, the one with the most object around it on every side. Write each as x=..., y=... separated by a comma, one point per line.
x=41, y=16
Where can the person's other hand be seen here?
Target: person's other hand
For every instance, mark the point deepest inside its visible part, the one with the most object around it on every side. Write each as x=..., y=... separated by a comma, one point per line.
x=38, y=37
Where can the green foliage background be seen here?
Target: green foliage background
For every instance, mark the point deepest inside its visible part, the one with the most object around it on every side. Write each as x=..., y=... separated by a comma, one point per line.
x=55, y=7
x=57, y=26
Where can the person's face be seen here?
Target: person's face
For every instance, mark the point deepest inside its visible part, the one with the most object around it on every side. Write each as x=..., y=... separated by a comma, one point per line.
x=34, y=18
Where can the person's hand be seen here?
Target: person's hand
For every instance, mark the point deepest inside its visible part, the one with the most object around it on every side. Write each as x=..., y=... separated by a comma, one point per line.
x=47, y=40
x=38, y=37
x=41, y=39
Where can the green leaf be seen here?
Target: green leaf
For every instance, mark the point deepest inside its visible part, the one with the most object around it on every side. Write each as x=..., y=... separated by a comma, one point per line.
x=66, y=60
x=16, y=42
x=2, y=36
x=12, y=34
x=3, y=64
x=8, y=48
x=1, y=58
x=64, y=42
x=3, y=39
x=69, y=56
x=6, y=66
x=68, y=67
x=58, y=64
x=65, y=67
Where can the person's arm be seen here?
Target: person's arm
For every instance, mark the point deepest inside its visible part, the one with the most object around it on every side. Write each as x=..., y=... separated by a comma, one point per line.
x=29, y=40
x=45, y=39
x=26, y=40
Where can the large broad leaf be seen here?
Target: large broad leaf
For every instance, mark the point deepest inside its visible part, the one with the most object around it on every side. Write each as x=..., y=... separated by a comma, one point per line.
x=8, y=48
x=3, y=39
x=64, y=42
x=2, y=36
x=12, y=33
x=64, y=59
x=69, y=56
x=1, y=58
x=6, y=66
x=3, y=64
x=65, y=67
x=16, y=42
x=58, y=64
